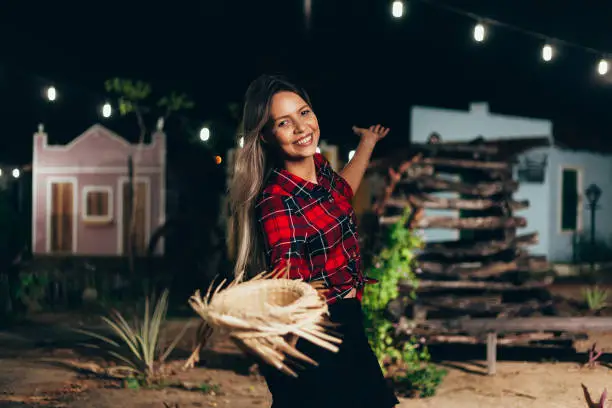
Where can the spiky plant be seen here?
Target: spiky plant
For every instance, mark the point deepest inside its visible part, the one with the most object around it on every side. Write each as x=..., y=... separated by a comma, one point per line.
x=596, y=299
x=138, y=345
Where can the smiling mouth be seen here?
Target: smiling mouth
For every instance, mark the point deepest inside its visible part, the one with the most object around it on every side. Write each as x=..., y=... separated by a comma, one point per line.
x=305, y=141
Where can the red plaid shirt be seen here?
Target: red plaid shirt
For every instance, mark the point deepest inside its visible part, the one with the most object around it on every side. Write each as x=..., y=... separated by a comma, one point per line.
x=313, y=226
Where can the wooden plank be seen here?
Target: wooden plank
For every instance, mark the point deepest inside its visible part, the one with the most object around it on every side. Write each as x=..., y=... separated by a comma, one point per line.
x=440, y=203
x=468, y=164
x=454, y=148
x=468, y=223
x=503, y=286
x=491, y=353
x=462, y=248
x=521, y=324
x=485, y=270
x=436, y=184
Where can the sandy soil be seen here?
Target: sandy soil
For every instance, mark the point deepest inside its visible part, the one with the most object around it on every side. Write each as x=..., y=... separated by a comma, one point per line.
x=37, y=370
x=37, y=384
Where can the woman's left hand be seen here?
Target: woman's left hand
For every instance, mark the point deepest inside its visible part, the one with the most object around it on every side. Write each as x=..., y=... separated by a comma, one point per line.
x=371, y=135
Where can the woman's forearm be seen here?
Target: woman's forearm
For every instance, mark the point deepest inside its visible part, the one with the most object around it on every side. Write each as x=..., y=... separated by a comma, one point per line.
x=355, y=169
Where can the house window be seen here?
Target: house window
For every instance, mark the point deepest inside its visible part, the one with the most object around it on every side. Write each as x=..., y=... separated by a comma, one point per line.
x=570, y=199
x=98, y=203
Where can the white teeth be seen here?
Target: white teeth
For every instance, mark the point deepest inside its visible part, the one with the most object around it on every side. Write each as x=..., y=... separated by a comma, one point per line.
x=305, y=140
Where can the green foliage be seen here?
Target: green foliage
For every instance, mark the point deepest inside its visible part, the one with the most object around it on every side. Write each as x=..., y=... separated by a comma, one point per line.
x=138, y=347
x=415, y=375
x=32, y=290
x=595, y=298
x=133, y=96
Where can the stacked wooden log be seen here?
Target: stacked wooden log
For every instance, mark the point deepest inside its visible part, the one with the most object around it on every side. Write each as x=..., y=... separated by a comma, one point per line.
x=489, y=271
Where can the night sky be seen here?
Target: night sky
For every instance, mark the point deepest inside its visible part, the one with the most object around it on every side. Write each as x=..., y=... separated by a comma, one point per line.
x=359, y=64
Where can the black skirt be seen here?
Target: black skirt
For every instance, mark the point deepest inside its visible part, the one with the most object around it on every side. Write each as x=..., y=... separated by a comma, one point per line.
x=350, y=378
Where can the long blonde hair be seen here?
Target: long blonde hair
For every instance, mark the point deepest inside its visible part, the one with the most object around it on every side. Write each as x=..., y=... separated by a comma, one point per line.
x=252, y=165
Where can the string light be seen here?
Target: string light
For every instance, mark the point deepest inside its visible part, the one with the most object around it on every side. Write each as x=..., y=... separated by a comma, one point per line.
x=241, y=142
x=0, y=172
x=603, y=67
x=397, y=9
x=51, y=93
x=204, y=134
x=107, y=110
x=218, y=160
x=351, y=154
x=547, y=52
x=16, y=173
x=479, y=32
x=318, y=149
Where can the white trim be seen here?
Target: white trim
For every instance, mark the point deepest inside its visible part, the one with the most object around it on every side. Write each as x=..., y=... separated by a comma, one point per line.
x=92, y=130
x=95, y=170
x=75, y=210
x=162, y=207
x=120, y=182
x=579, y=182
x=110, y=197
x=35, y=191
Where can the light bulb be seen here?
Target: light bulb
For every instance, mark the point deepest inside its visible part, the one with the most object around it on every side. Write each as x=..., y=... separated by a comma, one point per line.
x=351, y=154
x=318, y=149
x=479, y=32
x=397, y=9
x=241, y=142
x=547, y=52
x=602, y=67
x=51, y=93
x=0, y=172
x=16, y=173
x=107, y=110
x=204, y=134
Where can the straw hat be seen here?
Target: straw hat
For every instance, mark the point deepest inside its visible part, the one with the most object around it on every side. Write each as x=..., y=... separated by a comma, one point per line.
x=266, y=315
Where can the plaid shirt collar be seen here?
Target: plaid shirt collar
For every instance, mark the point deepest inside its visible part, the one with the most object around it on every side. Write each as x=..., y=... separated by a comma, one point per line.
x=282, y=182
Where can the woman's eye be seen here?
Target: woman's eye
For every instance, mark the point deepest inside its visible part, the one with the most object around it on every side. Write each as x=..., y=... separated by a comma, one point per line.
x=306, y=112
x=282, y=123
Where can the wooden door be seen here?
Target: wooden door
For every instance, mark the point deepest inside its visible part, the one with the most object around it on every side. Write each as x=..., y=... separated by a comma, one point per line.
x=62, y=213
x=139, y=238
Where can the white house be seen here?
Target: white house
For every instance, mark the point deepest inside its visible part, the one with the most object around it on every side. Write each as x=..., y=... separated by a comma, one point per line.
x=558, y=208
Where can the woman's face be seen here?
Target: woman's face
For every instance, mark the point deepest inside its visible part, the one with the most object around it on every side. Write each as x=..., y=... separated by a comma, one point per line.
x=294, y=129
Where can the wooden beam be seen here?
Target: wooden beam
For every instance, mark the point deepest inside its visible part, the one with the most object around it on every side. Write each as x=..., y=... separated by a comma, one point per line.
x=491, y=353
x=523, y=324
x=468, y=223
x=439, y=203
x=454, y=148
x=468, y=164
x=482, y=270
x=436, y=184
x=462, y=248
x=497, y=286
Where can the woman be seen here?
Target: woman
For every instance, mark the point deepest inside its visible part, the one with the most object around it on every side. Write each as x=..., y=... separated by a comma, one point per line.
x=292, y=209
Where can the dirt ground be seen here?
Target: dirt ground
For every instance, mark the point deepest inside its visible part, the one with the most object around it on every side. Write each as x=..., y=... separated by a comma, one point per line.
x=37, y=369
x=41, y=365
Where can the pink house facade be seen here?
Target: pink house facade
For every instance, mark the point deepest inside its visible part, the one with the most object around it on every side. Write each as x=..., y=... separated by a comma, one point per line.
x=80, y=194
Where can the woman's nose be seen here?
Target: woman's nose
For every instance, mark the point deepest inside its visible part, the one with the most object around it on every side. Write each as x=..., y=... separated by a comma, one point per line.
x=300, y=126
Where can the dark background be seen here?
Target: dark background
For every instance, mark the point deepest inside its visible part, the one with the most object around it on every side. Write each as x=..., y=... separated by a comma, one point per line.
x=359, y=64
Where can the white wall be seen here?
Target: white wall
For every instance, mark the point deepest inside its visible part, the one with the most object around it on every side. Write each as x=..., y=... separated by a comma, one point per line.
x=458, y=126
x=594, y=168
